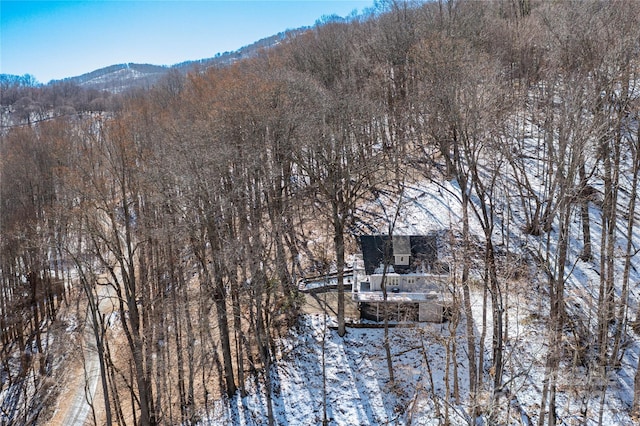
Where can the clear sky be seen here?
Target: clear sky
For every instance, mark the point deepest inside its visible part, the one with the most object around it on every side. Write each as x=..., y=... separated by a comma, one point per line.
x=58, y=39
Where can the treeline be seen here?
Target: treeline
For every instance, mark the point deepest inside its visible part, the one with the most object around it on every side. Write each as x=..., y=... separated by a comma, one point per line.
x=23, y=100
x=203, y=199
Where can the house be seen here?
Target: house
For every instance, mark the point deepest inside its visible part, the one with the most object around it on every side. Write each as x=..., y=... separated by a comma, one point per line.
x=407, y=266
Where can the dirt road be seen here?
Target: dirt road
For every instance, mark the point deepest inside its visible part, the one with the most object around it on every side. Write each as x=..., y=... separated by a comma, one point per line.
x=76, y=401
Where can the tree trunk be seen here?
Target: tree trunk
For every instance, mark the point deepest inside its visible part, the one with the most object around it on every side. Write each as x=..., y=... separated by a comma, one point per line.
x=586, y=254
x=338, y=240
x=223, y=328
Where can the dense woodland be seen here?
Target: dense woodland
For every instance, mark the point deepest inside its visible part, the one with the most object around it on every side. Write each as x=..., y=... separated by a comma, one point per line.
x=196, y=199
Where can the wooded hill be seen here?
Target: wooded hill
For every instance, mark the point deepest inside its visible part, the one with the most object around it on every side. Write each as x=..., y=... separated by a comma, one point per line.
x=101, y=84
x=196, y=199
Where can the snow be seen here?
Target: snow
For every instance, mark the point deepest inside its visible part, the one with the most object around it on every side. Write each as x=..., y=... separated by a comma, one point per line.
x=358, y=388
x=357, y=380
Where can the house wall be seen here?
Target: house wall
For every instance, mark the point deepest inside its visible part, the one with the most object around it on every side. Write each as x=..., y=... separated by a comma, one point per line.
x=400, y=312
x=405, y=282
x=403, y=312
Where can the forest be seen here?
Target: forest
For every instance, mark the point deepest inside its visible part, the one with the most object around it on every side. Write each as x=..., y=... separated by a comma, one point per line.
x=197, y=204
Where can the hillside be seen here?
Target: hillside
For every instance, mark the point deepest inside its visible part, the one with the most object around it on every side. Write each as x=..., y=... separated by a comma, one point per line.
x=358, y=387
x=23, y=100
x=151, y=253
x=123, y=77
x=120, y=78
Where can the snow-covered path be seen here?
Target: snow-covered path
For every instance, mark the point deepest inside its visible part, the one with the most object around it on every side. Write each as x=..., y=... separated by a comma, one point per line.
x=79, y=408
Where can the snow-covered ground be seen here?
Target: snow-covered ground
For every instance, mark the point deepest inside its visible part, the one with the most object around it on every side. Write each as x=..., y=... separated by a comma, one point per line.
x=358, y=391
x=351, y=380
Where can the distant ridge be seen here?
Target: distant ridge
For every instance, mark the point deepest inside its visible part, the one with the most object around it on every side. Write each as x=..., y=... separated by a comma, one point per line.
x=122, y=77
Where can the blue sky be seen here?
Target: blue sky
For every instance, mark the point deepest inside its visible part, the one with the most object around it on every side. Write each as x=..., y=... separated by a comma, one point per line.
x=58, y=39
